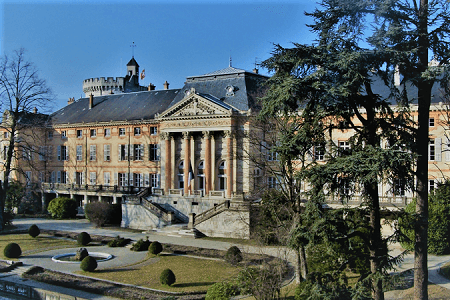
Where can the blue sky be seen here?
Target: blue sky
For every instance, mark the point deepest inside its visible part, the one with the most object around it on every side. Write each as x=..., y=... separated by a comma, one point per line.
x=70, y=41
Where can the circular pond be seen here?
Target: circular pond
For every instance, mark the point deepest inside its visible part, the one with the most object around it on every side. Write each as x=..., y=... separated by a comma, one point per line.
x=68, y=258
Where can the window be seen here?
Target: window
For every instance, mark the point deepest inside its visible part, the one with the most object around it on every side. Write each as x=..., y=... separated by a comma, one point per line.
x=93, y=132
x=138, y=151
x=63, y=153
x=42, y=153
x=121, y=131
x=64, y=134
x=431, y=150
x=5, y=152
x=92, y=178
x=79, y=152
x=272, y=155
x=106, y=178
x=154, y=180
x=93, y=152
x=181, y=175
x=137, y=131
x=153, y=130
x=79, y=133
x=345, y=186
x=201, y=175
x=137, y=179
x=399, y=187
x=107, y=152
x=123, y=179
x=50, y=134
x=222, y=176
x=61, y=177
x=272, y=182
x=5, y=134
x=107, y=132
x=153, y=150
x=344, y=146
x=431, y=185
x=123, y=152
x=79, y=178
x=319, y=152
x=28, y=177
x=431, y=123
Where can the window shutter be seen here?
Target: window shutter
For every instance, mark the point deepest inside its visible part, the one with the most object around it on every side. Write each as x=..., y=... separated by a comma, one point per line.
x=141, y=180
x=59, y=152
x=83, y=178
x=127, y=179
x=116, y=178
x=447, y=150
x=158, y=152
x=159, y=180
x=120, y=152
x=438, y=149
x=67, y=177
x=58, y=177
x=146, y=180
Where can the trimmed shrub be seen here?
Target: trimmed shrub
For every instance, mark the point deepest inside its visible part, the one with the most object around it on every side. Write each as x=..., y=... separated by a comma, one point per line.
x=167, y=277
x=98, y=213
x=12, y=250
x=221, y=291
x=141, y=245
x=233, y=255
x=83, y=239
x=155, y=248
x=34, y=270
x=63, y=207
x=34, y=231
x=88, y=264
x=119, y=242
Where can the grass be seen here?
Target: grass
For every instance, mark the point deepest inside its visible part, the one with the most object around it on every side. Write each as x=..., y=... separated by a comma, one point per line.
x=32, y=245
x=192, y=274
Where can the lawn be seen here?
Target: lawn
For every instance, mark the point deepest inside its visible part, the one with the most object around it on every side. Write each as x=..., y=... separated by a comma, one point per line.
x=32, y=245
x=192, y=274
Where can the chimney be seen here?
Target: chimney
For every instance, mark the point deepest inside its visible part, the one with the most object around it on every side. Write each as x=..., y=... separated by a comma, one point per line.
x=35, y=110
x=166, y=85
x=71, y=100
x=151, y=87
x=255, y=70
x=91, y=101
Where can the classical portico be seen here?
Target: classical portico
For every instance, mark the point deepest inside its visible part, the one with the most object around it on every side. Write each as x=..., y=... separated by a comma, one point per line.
x=198, y=136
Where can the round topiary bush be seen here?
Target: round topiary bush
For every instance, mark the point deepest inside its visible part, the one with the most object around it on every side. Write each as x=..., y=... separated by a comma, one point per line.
x=155, y=248
x=83, y=238
x=63, y=207
x=167, y=277
x=88, y=264
x=12, y=250
x=233, y=255
x=34, y=231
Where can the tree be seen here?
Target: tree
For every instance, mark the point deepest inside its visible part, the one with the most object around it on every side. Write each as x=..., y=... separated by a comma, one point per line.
x=21, y=92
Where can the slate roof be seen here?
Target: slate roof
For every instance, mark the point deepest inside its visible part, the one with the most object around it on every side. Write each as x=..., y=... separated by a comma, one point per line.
x=132, y=62
x=248, y=87
x=117, y=107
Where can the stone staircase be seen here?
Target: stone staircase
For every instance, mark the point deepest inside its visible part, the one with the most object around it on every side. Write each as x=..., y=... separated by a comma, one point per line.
x=178, y=230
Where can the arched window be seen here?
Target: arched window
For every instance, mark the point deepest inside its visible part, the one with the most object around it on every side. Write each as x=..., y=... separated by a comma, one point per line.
x=222, y=176
x=201, y=175
x=181, y=175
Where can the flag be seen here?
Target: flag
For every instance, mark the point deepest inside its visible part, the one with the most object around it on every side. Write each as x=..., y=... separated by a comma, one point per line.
x=191, y=175
x=143, y=74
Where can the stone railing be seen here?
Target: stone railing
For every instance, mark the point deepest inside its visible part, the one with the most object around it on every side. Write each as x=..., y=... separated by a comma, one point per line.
x=93, y=188
x=159, y=211
x=176, y=192
x=197, y=219
x=218, y=194
x=385, y=201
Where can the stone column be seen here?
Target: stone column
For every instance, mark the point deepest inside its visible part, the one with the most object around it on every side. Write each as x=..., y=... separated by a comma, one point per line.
x=167, y=156
x=173, y=173
x=193, y=163
x=187, y=162
x=213, y=162
x=207, y=141
x=229, y=162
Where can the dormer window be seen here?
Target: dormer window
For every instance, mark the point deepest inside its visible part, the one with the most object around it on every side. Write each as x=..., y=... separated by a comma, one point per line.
x=230, y=90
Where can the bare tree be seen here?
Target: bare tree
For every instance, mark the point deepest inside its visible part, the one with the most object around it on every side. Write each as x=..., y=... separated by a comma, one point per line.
x=22, y=92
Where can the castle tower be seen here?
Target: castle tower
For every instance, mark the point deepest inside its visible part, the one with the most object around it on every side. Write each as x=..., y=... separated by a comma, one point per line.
x=132, y=67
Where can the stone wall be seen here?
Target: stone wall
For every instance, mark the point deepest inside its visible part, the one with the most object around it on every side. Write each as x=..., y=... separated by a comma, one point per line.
x=229, y=224
x=138, y=217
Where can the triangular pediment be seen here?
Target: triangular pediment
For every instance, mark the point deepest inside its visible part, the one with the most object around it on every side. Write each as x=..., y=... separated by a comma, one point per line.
x=197, y=105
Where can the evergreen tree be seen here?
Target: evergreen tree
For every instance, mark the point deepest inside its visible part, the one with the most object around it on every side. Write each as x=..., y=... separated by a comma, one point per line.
x=348, y=76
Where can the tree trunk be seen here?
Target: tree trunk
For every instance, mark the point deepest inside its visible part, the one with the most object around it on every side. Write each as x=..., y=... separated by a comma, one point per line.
x=424, y=100
x=302, y=266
